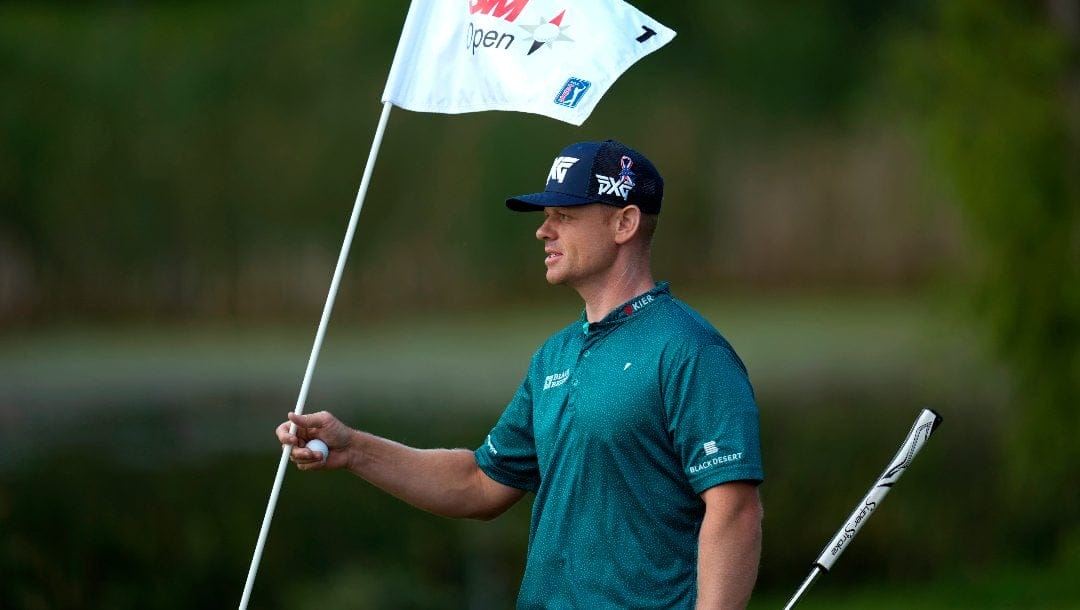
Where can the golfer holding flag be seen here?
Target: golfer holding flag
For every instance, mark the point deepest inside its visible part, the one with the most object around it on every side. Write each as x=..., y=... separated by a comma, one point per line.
x=635, y=426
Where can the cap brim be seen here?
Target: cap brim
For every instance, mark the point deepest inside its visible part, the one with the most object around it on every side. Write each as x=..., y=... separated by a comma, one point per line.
x=547, y=199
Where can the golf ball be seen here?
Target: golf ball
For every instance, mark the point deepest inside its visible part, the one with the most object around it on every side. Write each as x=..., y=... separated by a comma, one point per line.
x=319, y=447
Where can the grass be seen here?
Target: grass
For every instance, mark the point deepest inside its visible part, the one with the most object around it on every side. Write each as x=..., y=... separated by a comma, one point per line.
x=180, y=415
x=1031, y=587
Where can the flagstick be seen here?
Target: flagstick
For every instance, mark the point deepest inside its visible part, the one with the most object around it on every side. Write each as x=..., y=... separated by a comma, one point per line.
x=327, y=308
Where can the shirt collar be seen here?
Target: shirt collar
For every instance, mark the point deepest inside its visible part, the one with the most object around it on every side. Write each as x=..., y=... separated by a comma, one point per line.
x=621, y=313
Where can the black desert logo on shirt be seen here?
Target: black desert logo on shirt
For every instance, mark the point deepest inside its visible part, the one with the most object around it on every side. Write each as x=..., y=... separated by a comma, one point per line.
x=723, y=459
x=556, y=380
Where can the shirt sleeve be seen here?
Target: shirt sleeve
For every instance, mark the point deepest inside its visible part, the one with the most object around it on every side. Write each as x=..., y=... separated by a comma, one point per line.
x=713, y=418
x=508, y=454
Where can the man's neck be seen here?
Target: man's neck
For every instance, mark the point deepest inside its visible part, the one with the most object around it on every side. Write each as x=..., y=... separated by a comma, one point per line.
x=617, y=289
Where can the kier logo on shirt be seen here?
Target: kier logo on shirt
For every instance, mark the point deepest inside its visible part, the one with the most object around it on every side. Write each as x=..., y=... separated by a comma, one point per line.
x=638, y=304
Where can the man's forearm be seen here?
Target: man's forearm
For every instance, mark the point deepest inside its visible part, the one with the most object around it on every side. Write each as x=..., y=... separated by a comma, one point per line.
x=729, y=547
x=445, y=482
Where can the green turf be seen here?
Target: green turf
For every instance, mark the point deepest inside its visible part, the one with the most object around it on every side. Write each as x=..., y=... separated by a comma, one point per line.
x=180, y=426
x=1052, y=586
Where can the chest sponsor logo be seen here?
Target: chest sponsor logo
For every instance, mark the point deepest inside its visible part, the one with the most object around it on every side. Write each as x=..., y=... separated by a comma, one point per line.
x=556, y=380
x=715, y=461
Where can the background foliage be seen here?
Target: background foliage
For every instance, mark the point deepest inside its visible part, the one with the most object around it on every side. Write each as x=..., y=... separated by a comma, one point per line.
x=877, y=201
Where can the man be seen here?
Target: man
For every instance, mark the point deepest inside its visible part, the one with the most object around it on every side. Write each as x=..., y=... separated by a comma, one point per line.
x=635, y=427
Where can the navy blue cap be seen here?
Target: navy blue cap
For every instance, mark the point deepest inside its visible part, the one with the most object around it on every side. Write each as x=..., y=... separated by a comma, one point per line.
x=597, y=172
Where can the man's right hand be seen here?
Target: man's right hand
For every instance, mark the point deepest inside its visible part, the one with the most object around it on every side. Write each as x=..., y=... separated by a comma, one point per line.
x=323, y=426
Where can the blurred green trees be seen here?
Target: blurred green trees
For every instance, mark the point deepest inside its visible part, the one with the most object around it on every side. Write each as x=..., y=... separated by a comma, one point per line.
x=200, y=160
x=997, y=88
x=196, y=161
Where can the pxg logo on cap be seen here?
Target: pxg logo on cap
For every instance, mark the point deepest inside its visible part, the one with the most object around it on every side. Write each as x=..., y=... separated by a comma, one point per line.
x=597, y=172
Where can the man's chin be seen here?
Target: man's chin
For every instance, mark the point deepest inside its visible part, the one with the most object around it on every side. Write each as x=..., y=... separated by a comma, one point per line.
x=554, y=279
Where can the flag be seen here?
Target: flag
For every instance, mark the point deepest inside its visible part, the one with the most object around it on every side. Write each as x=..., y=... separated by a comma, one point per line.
x=556, y=58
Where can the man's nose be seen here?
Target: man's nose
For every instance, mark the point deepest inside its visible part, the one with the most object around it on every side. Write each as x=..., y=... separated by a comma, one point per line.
x=544, y=232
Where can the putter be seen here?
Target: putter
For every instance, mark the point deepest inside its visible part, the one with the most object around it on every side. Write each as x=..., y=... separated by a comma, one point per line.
x=924, y=426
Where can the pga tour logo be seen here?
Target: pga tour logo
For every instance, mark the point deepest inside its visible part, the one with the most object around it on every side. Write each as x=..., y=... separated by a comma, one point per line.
x=571, y=93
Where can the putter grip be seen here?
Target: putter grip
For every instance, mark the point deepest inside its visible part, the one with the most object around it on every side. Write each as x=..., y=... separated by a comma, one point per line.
x=924, y=426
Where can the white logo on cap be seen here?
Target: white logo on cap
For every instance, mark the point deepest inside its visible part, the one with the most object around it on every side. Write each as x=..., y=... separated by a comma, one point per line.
x=615, y=186
x=622, y=184
x=559, y=167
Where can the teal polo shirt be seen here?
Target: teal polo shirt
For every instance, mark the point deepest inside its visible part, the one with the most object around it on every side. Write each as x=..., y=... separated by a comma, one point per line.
x=617, y=428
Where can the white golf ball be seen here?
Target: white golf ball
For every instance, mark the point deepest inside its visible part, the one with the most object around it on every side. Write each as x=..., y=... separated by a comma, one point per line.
x=319, y=447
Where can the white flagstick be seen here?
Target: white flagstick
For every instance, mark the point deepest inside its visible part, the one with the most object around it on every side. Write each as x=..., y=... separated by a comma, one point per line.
x=924, y=426
x=327, y=309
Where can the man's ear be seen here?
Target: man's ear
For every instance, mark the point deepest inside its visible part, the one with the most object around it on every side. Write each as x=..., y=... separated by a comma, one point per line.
x=627, y=222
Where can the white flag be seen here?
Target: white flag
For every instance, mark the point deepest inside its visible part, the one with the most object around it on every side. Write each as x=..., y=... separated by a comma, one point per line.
x=551, y=57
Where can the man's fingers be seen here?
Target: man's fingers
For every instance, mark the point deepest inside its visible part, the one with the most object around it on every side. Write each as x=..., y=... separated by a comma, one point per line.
x=299, y=429
x=285, y=436
x=311, y=421
x=306, y=459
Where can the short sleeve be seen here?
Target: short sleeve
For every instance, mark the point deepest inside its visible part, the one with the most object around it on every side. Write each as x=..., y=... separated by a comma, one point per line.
x=713, y=418
x=508, y=454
